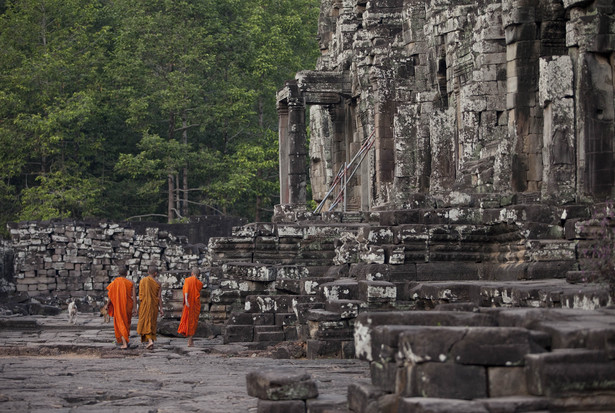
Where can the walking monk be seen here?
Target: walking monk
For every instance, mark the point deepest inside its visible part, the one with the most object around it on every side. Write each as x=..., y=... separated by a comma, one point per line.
x=192, y=306
x=150, y=305
x=122, y=306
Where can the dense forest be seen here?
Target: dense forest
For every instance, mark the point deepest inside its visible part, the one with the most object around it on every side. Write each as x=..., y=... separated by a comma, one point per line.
x=130, y=109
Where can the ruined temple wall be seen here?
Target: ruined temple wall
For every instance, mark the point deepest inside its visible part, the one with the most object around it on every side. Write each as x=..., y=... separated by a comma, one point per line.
x=55, y=261
x=489, y=97
x=70, y=259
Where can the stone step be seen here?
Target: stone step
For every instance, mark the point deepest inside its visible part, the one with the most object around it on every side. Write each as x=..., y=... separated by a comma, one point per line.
x=282, y=303
x=345, y=308
x=268, y=333
x=340, y=349
x=570, y=372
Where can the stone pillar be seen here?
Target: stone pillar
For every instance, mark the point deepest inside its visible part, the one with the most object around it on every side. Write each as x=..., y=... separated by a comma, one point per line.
x=283, y=151
x=596, y=121
x=589, y=38
x=522, y=51
x=559, y=150
x=297, y=148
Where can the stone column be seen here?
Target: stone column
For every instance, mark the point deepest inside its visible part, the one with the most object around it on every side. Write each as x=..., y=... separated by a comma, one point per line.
x=559, y=151
x=297, y=148
x=522, y=51
x=283, y=151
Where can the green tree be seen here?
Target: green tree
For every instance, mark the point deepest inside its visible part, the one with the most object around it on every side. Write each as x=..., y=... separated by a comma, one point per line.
x=49, y=102
x=163, y=55
x=123, y=108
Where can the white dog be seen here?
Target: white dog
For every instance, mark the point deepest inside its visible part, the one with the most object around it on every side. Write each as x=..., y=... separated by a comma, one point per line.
x=72, y=312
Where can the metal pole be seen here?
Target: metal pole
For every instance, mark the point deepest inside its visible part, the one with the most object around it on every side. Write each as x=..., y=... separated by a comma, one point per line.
x=335, y=182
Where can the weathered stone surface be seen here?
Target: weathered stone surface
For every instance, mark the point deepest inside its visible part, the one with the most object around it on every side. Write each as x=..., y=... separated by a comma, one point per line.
x=326, y=403
x=238, y=333
x=569, y=372
x=364, y=337
x=281, y=406
x=280, y=384
x=447, y=381
x=439, y=405
x=506, y=381
x=511, y=404
x=384, y=375
x=362, y=395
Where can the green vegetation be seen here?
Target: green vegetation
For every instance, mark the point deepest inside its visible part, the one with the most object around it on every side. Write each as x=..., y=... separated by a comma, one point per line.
x=117, y=109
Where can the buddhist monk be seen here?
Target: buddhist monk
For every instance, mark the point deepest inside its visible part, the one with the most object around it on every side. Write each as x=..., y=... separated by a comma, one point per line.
x=122, y=306
x=192, y=306
x=150, y=305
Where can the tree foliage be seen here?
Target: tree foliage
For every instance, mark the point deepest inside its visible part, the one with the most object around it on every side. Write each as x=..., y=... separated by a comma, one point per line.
x=136, y=107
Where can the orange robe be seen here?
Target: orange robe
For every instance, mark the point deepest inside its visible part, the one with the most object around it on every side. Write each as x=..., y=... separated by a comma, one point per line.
x=120, y=308
x=149, y=293
x=190, y=315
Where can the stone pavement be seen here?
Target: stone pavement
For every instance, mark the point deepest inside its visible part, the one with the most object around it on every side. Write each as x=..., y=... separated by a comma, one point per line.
x=47, y=364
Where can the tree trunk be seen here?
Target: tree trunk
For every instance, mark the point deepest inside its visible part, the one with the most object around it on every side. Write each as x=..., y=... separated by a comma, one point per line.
x=257, y=211
x=170, y=200
x=185, y=170
x=261, y=113
x=177, y=197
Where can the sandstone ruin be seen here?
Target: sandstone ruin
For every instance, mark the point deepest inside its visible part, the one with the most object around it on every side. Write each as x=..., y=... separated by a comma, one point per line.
x=451, y=262
x=471, y=103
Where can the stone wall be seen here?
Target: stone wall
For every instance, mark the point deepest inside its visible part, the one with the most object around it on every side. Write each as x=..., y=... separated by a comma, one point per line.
x=464, y=98
x=60, y=260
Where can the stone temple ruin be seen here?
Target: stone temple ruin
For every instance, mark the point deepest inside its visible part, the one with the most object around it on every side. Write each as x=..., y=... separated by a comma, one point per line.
x=451, y=262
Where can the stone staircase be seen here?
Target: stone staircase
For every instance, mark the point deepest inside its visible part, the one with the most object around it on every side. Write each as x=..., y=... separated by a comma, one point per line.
x=308, y=280
x=486, y=360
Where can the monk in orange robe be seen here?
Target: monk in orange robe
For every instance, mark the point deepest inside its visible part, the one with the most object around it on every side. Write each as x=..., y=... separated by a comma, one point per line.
x=192, y=306
x=150, y=305
x=122, y=306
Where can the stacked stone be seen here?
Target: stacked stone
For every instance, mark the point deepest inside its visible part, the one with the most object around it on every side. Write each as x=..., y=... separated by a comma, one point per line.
x=412, y=259
x=71, y=259
x=280, y=391
x=508, y=360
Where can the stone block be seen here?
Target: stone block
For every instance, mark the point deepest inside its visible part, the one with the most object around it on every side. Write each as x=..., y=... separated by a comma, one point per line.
x=290, y=286
x=368, y=332
x=344, y=289
x=326, y=403
x=513, y=404
x=267, y=335
x=370, y=272
x=447, y=381
x=569, y=372
x=247, y=271
x=492, y=346
x=443, y=271
x=345, y=308
x=361, y=395
x=310, y=286
x=238, y=333
x=507, y=381
x=285, y=319
x=377, y=291
x=384, y=375
x=281, y=384
x=318, y=315
x=323, y=330
x=439, y=405
x=316, y=349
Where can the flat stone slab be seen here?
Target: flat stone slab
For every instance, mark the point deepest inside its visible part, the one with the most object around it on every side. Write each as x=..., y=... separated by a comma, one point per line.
x=279, y=384
x=61, y=367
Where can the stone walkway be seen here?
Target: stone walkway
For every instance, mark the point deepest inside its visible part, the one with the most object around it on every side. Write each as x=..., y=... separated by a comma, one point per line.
x=48, y=365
